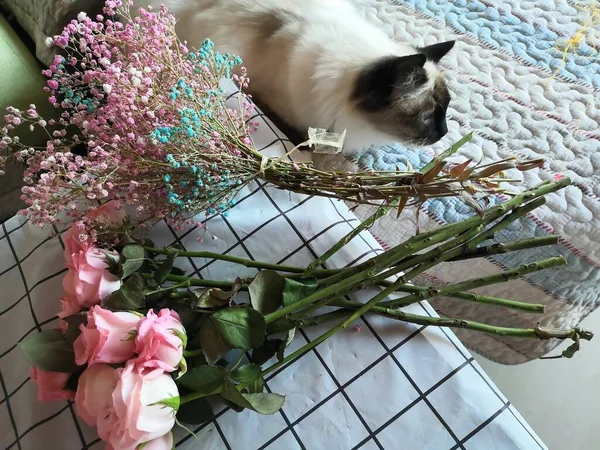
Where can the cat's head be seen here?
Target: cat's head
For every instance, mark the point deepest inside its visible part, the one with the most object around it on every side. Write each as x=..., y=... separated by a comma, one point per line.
x=406, y=96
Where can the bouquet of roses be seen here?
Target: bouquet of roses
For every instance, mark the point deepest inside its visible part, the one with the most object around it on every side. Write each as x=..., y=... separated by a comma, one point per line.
x=142, y=346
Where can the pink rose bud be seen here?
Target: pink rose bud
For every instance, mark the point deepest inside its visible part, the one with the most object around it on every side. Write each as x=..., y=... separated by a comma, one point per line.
x=94, y=390
x=51, y=385
x=107, y=337
x=159, y=340
x=88, y=278
x=144, y=403
x=164, y=442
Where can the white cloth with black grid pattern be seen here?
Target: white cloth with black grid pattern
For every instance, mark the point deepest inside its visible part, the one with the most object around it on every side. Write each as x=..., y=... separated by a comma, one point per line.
x=381, y=384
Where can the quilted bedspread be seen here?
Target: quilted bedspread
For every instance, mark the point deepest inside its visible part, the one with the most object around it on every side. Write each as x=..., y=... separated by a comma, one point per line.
x=525, y=78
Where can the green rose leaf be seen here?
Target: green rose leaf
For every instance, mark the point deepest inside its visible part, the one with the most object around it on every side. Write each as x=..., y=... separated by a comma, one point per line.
x=73, y=380
x=296, y=290
x=288, y=340
x=50, y=351
x=261, y=403
x=72, y=334
x=265, y=403
x=214, y=297
x=148, y=243
x=257, y=386
x=195, y=412
x=76, y=319
x=241, y=327
x=113, y=263
x=163, y=271
x=246, y=373
x=177, y=271
x=212, y=341
x=203, y=379
x=132, y=258
x=266, y=351
x=130, y=296
x=266, y=291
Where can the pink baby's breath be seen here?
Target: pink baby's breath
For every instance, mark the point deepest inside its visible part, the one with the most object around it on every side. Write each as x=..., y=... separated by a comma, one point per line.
x=126, y=88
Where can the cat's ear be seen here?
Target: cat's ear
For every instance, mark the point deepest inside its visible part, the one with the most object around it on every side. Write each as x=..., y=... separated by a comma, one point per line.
x=375, y=85
x=436, y=52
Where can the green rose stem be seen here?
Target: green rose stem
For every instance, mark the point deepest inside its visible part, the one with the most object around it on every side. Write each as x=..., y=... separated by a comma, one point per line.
x=193, y=281
x=336, y=247
x=537, y=308
x=531, y=196
x=184, y=283
x=236, y=260
x=351, y=318
x=430, y=259
x=298, y=272
x=424, y=293
x=500, y=248
x=477, y=282
x=367, y=275
x=538, y=332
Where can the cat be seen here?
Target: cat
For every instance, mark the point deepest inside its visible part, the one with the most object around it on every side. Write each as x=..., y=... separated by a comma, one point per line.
x=318, y=63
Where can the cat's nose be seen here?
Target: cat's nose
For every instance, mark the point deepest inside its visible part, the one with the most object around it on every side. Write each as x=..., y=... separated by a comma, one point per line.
x=437, y=133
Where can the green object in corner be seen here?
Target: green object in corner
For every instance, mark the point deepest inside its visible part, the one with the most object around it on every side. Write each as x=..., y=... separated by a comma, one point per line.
x=21, y=83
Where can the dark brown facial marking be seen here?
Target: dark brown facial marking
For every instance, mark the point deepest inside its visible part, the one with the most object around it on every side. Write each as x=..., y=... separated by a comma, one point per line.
x=375, y=86
x=393, y=95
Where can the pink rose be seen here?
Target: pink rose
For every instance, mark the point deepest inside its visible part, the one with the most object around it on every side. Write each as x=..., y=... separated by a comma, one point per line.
x=164, y=442
x=88, y=278
x=94, y=390
x=157, y=343
x=110, y=215
x=51, y=385
x=77, y=241
x=107, y=337
x=137, y=414
x=69, y=305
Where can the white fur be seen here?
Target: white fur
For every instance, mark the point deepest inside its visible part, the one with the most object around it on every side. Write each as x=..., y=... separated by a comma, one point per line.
x=304, y=73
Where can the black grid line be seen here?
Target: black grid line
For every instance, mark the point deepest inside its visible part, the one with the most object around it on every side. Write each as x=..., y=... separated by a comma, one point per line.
x=12, y=249
x=17, y=228
x=344, y=394
x=17, y=389
x=337, y=390
x=91, y=444
x=288, y=422
x=35, y=328
x=28, y=292
x=38, y=424
x=422, y=395
x=10, y=412
x=482, y=425
x=221, y=434
x=494, y=390
x=314, y=350
x=435, y=412
x=240, y=241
